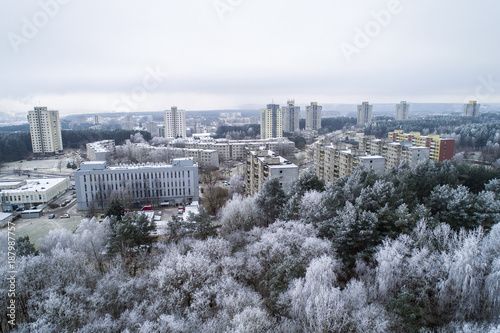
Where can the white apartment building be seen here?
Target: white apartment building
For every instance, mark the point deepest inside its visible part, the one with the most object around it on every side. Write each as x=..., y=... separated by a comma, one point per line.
x=291, y=114
x=313, y=116
x=237, y=149
x=471, y=109
x=99, y=150
x=271, y=122
x=97, y=184
x=32, y=192
x=175, y=123
x=265, y=164
x=45, y=130
x=364, y=114
x=402, y=111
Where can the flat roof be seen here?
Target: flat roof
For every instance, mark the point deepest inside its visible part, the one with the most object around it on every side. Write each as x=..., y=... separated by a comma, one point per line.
x=3, y=216
x=39, y=185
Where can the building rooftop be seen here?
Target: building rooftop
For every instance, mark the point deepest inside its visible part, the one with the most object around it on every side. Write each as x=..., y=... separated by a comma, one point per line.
x=37, y=185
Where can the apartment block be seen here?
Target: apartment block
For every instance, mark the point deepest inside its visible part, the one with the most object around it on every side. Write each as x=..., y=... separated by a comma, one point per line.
x=402, y=111
x=471, y=109
x=291, y=114
x=237, y=149
x=99, y=150
x=175, y=123
x=313, y=116
x=364, y=114
x=265, y=164
x=97, y=184
x=333, y=162
x=440, y=149
x=271, y=122
x=45, y=131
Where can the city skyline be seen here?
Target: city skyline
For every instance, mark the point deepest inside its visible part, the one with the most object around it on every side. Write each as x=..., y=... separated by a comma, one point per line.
x=210, y=55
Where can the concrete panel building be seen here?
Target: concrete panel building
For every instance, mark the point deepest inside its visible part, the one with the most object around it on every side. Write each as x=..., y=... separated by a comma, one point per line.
x=97, y=184
x=291, y=116
x=313, y=116
x=271, y=122
x=237, y=149
x=99, y=150
x=364, y=114
x=471, y=109
x=45, y=131
x=265, y=164
x=402, y=111
x=175, y=123
x=440, y=149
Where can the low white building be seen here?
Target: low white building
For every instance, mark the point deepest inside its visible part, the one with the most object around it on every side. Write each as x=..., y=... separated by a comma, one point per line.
x=32, y=192
x=136, y=185
x=98, y=151
x=5, y=218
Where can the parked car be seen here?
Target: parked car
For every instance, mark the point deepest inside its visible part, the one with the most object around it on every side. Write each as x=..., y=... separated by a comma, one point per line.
x=147, y=208
x=51, y=216
x=64, y=216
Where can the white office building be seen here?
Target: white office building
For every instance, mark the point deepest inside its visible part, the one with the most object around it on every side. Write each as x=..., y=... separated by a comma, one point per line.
x=135, y=185
x=364, y=114
x=45, y=131
x=313, y=116
x=290, y=117
x=402, y=111
x=175, y=123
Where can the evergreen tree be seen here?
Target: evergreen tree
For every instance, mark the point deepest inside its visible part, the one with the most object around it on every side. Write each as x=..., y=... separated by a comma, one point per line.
x=24, y=247
x=115, y=209
x=201, y=224
x=270, y=200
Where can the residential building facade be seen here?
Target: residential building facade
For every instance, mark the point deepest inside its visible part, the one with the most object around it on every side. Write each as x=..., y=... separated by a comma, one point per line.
x=99, y=150
x=45, y=131
x=402, y=111
x=364, y=114
x=471, y=109
x=175, y=123
x=97, y=184
x=291, y=116
x=313, y=116
x=265, y=164
x=440, y=149
x=237, y=149
x=271, y=122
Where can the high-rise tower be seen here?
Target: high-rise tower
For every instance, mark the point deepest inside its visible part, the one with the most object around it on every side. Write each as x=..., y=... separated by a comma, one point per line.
x=402, y=111
x=291, y=117
x=175, y=123
x=313, y=116
x=364, y=114
x=471, y=109
x=45, y=130
x=271, y=125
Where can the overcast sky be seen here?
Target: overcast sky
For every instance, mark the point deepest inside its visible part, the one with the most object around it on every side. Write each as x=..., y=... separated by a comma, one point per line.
x=100, y=56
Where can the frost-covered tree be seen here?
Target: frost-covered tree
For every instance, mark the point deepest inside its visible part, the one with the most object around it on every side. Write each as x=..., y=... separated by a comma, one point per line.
x=238, y=215
x=237, y=185
x=270, y=200
x=308, y=181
